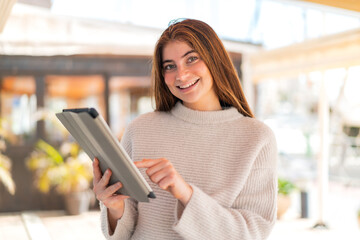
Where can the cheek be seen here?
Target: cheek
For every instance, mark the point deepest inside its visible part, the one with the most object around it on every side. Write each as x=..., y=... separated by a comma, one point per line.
x=207, y=76
x=167, y=83
x=168, y=80
x=203, y=70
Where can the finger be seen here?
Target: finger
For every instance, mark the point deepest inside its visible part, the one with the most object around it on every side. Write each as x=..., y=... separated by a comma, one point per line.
x=117, y=198
x=114, y=200
x=163, y=173
x=104, y=181
x=146, y=163
x=101, y=185
x=157, y=167
x=167, y=182
x=109, y=191
x=96, y=171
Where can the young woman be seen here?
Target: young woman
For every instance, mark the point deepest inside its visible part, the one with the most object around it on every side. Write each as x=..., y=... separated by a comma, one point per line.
x=211, y=165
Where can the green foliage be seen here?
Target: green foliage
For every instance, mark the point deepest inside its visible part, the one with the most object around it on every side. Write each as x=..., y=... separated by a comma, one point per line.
x=54, y=156
x=285, y=187
x=5, y=174
x=67, y=169
x=5, y=162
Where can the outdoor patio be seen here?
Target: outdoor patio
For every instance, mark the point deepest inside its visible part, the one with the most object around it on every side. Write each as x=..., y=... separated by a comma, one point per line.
x=299, y=64
x=44, y=225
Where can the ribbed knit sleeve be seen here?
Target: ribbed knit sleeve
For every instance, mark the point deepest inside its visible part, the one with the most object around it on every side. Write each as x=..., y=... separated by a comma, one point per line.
x=125, y=225
x=252, y=214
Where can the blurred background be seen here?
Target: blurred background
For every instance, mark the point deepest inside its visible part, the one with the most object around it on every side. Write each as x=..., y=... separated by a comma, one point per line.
x=298, y=61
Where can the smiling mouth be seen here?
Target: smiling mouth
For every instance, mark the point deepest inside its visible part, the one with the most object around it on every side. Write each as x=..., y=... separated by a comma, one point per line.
x=188, y=85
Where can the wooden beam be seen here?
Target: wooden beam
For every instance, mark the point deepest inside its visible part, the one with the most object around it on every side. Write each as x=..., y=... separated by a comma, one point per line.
x=40, y=104
x=5, y=10
x=352, y=5
x=106, y=81
x=38, y=3
x=336, y=51
x=75, y=65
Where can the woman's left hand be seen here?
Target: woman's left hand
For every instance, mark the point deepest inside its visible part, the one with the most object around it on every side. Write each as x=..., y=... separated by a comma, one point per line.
x=163, y=173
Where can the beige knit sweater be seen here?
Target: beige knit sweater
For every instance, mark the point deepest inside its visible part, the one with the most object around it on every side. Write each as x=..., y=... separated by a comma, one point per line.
x=229, y=160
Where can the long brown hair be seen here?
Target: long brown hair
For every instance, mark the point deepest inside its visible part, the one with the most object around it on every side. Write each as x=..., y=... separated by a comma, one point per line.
x=203, y=39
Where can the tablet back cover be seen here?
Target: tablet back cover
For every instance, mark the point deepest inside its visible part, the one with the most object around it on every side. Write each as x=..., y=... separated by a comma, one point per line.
x=95, y=137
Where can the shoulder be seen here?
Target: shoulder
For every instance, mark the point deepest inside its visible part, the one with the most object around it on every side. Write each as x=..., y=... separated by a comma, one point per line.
x=140, y=125
x=265, y=142
x=257, y=128
x=149, y=118
x=258, y=136
x=147, y=121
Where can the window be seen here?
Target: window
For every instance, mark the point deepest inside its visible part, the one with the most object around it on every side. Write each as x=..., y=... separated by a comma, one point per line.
x=129, y=97
x=71, y=92
x=18, y=105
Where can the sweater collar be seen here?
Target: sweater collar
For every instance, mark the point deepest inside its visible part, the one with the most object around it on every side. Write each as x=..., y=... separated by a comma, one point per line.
x=204, y=117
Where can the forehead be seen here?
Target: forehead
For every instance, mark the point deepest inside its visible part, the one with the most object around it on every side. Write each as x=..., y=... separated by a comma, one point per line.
x=175, y=49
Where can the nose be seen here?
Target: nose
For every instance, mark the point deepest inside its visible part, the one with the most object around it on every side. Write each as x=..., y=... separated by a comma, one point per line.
x=182, y=73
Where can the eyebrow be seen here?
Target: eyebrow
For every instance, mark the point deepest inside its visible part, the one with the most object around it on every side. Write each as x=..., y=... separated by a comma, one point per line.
x=187, y=53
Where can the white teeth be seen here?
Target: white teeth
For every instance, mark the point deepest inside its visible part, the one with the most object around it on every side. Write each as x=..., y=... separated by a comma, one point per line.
x=188, y=85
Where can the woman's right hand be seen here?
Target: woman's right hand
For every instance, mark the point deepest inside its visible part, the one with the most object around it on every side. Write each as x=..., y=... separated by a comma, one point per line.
x=106, y=194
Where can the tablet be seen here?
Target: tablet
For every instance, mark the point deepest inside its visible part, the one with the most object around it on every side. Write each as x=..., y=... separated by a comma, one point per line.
x=94, y=136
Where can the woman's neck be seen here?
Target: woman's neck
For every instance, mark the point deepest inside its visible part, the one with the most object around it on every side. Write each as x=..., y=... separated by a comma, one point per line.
x=204, y=106
x=204, y=117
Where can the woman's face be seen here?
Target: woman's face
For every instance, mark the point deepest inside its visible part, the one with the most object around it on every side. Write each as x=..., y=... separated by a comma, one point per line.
x=188, y=78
